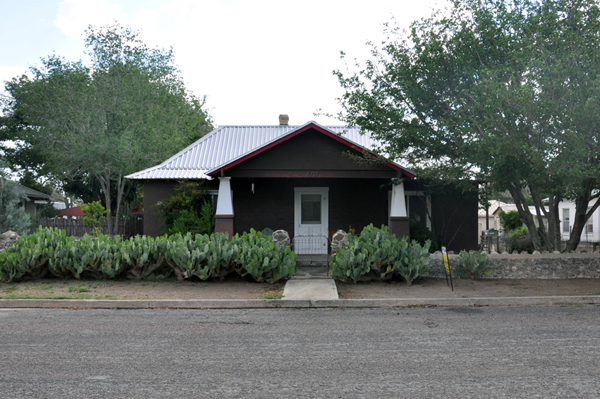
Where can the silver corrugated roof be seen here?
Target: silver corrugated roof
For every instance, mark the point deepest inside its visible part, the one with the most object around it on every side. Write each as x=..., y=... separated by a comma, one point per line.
x=228, y=143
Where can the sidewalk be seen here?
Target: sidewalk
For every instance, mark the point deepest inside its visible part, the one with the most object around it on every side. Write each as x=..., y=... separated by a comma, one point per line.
x=239, y=294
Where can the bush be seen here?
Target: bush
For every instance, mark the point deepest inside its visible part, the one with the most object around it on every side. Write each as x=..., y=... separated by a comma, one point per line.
x=187, y=210
x=520, y=240
x=421, y=234
x=511, y=220
x=472, y=265
x=262, y=259
x=376, y=254
x=201, y=256
x=12, y=214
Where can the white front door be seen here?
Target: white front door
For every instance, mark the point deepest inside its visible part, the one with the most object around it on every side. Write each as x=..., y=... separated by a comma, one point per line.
x=311, y=215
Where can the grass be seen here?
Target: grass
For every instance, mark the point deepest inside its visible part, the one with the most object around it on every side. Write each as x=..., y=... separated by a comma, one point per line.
x=53, y=288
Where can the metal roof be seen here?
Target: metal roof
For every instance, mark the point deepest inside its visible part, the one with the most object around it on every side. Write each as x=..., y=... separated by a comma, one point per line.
x=31, y=193
x=228, y=143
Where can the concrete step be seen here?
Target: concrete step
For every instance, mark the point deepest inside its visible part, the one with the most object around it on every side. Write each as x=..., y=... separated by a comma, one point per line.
x=311, y=272
x=323, y=288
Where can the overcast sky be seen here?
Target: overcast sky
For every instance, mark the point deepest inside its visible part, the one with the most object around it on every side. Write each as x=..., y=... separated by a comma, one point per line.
x=254, y=59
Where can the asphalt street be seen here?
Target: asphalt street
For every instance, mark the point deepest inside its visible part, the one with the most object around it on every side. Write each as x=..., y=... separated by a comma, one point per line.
x=495, y=352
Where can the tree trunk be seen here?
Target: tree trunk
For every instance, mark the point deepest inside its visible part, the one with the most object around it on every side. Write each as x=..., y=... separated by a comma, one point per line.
x=582, y=214
x=120, y=190
x=521, y=203
x=105, y=184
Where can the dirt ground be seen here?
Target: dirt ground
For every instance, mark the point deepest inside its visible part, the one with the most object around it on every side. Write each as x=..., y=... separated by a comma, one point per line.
x=94, y=289
x=437, y=288
x=240, y=289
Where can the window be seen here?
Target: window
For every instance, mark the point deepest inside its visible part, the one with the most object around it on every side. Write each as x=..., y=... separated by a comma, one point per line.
x=311, y=209
x=590, y=223
x=565, y=220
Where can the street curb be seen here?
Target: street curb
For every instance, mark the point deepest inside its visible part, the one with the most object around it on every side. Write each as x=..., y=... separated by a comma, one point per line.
x=296, y=303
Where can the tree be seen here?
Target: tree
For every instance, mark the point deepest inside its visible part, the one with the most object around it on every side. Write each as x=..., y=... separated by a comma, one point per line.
x=503, y=91
x=12, y=214
x=126, y=111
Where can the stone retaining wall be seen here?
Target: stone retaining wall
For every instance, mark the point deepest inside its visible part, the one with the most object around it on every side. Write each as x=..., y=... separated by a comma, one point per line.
x=525, y=266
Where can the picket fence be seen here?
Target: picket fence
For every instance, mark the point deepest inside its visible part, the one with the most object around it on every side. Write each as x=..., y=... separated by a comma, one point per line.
x=129, y=226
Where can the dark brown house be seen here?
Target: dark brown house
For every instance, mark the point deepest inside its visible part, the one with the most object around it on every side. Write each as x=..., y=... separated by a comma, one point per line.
x=309, y=180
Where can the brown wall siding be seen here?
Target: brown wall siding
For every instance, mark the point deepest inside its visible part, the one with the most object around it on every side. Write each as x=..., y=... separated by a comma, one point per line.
x=155, y=191
x=455, y=219
x=311, y=151
x=352, y=202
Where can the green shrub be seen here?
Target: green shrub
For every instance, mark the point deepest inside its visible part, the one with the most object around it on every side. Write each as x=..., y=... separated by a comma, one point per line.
x=413, y=261
x=262, y=259
x=187, y=210
x=94, y=213
x=520, y=240
x=30, y=255
x=376, y=254
x=511, y=220
x=144, y=255
x=202, y=256
x=12, y=214
x=421, y=234
x=472, y=265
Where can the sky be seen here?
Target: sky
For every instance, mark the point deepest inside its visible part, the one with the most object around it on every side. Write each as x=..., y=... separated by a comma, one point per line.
x=253, y=59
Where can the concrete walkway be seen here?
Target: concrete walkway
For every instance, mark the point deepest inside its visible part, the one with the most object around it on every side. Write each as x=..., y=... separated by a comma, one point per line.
x=313, y=283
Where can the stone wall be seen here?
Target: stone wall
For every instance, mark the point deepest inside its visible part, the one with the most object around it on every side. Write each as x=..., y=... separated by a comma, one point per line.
x=525, y=266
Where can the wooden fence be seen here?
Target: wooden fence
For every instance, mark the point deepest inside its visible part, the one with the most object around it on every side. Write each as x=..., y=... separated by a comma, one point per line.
x=128, y=227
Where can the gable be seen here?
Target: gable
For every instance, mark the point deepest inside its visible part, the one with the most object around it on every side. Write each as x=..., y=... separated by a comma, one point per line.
x=311, y=154
x=228, y=146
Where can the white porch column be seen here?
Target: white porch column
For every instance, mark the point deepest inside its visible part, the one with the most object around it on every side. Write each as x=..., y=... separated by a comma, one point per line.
x=225, y=198
x=224, y=213
x=399, y=223
x=398, y=200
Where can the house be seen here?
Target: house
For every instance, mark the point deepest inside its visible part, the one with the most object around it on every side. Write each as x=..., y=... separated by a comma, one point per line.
x=35, y=199
x=71, y=213
x=512, y=207
x=487, y=220
x=309, y=180
x=591, y=231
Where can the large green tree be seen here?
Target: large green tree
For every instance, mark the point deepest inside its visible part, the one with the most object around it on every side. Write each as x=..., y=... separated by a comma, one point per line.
x=498, y=90
x=125, y=111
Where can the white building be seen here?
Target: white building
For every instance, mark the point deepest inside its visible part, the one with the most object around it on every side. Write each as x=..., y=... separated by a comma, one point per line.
x=591, y=231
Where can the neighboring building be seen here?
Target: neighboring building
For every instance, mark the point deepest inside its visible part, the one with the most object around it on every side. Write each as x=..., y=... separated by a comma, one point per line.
x=591, y=231
x=35, y=199
x=306, y=180
x=489, y=218
x=71, y=213
x=512, y=207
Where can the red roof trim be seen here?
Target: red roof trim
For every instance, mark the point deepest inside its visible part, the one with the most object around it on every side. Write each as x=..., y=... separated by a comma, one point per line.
x=294, y=134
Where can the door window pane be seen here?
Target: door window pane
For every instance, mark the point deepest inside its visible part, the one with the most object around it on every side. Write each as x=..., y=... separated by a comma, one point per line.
x=311, y=209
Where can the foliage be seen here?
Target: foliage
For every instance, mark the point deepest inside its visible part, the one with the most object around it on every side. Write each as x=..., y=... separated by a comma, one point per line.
x=48, y=211
x=510, y=220
x=30, y=254
x=472, y=265
x=126, y=111
x=421, y=234
x=202, y=256
x=187, y=210
x=512, y=101
x=94, y=213
x=262, y=259
x=520, y=240
x=376, y=254
x=12, y=214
